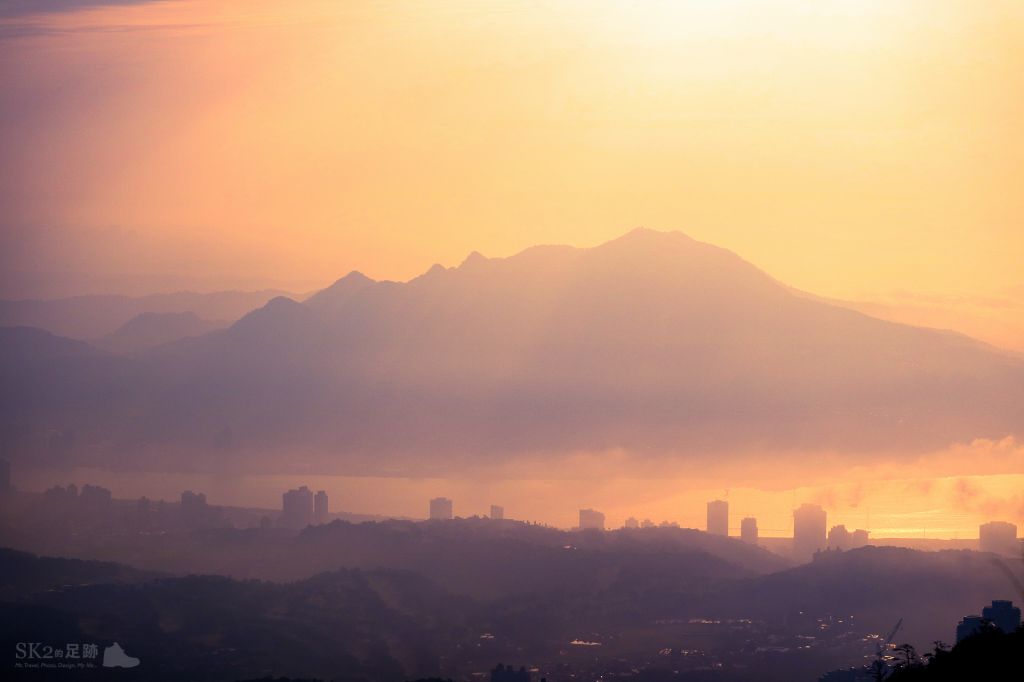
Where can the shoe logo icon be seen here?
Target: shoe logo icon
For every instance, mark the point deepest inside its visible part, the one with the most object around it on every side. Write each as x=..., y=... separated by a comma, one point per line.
x=115, y=657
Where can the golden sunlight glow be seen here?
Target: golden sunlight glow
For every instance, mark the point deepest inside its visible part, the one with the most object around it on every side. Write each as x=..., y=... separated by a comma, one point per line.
x=862, y=150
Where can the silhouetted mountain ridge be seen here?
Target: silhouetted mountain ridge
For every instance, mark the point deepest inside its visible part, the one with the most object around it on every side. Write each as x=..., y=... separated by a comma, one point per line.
x=652, y=343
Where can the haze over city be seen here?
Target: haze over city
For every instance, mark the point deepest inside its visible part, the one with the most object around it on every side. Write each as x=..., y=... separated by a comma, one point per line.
x=670, y=340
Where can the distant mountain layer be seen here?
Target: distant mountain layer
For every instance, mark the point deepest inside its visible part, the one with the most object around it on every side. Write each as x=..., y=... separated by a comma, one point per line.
x=652, y=343
x=94, y=317
x=149, y=330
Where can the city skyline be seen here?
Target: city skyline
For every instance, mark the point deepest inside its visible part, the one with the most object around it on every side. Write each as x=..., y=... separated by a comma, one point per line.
x=301, y=508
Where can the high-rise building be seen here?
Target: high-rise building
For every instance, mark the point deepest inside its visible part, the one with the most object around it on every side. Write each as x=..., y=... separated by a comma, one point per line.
x=748, y=530
x=441, y=509
x=297, y=508
x=998, y=537
x=647, y=523
x=94, y=497
x=497, y=512
x=718, y=517
x=809, y=523
x=839, y=537
x=320, y=510
x=631, y=523
x=196, y=513
x=193, y=508
x=591, y=519
x=968, y=626
x=1003, y=614
x=858, y=538
x=506, y=673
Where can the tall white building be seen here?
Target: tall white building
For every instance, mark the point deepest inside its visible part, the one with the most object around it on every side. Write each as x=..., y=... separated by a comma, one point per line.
x=809, y=527
x=591, y=519
x=998, y=537
x=441, y=509
x=320, y=509
x=718, y=517
x=297, y=508
x=748, y=530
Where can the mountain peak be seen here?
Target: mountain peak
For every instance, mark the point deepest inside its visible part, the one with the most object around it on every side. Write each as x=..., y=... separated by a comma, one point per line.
x=435, y=271
x=277, y=310
x=475, y=258
x=650, y=235
x=340, y=292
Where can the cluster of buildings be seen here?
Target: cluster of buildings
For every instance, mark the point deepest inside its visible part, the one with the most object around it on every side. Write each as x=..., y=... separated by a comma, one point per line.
x=90, y=496
x=810, y=528
x=1002, y=615
x=811, y=533
x=301, y=508
x=441, y=510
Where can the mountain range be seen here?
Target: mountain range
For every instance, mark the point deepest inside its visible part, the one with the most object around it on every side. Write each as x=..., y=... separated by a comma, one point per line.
x=653, y=343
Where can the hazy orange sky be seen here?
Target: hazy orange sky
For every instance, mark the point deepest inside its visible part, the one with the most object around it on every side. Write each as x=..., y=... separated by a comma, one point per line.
x=858, y=149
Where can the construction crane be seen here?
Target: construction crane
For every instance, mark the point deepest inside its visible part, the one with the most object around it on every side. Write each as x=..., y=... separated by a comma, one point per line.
x=879, y=667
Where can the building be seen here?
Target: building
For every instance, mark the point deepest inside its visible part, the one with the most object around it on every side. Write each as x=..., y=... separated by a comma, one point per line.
x=718, y=517
x=297, y=508
x=94, y=497
x=809, y=523
x=591, y=519
x=631, y=523
x=320, y=509
x=968, y=626
x=191, y=500
x=193, y=508
x=506, y=673
x=59, y=497
x=441, y=509
x=839, y=537
x=748, y=530
x=998, y=537
x=196, y=513
x=858, y=538
x=647, y=523
x=1003, y=614
x=497, y=512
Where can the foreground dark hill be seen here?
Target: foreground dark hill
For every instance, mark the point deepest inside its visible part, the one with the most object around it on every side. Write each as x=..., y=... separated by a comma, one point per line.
x=388, y=623
x=22, y=573
x=348, y=625
x=654, y=343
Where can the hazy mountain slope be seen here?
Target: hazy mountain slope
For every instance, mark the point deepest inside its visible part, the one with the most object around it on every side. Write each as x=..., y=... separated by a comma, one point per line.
x=653, y=342
x=148, y=330
x=96, y=316
x=477, y=557
x=930, y=591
